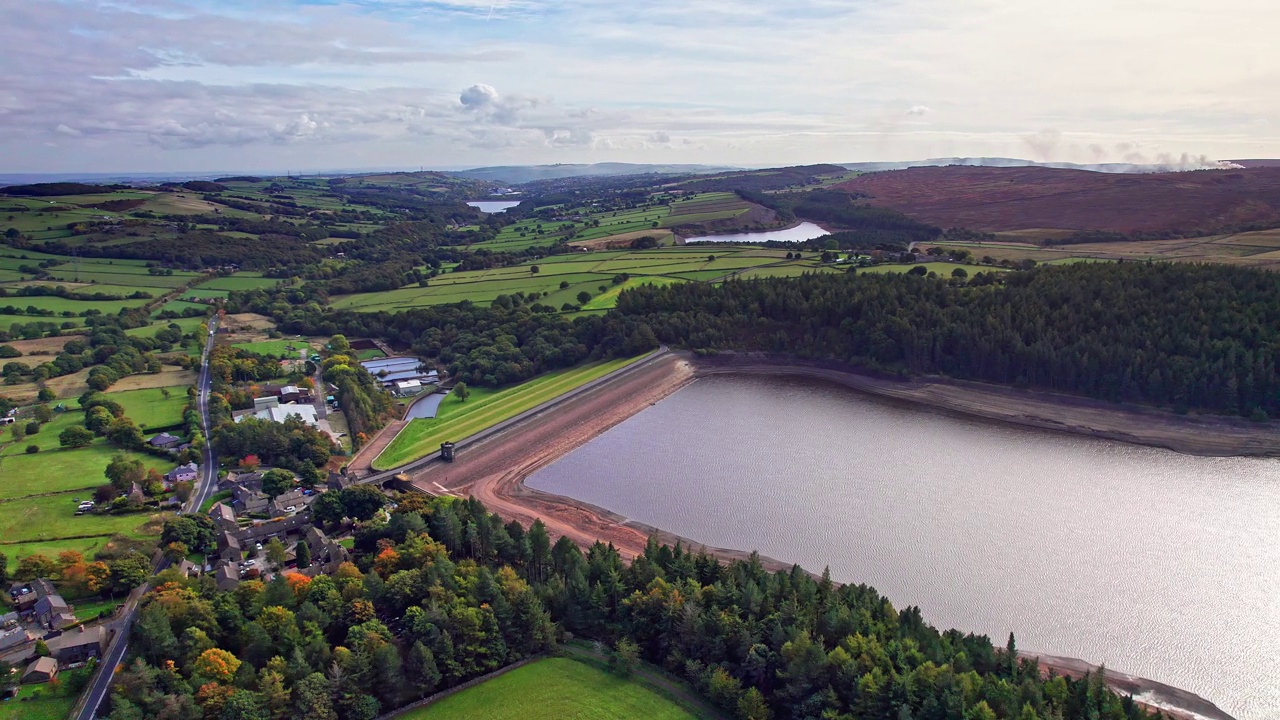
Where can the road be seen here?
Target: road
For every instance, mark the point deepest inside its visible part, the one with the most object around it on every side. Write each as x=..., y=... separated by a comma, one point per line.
x=205, y=484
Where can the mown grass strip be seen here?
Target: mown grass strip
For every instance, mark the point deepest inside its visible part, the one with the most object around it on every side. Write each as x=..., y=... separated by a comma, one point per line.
x=458, y=420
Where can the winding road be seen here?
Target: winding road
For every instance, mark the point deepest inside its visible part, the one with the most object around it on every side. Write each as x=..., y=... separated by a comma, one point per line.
x=119, y=628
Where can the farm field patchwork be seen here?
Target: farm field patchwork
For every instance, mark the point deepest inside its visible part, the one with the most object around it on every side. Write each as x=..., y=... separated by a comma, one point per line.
x=555, y=689
x=581, y=272
x=457, y=420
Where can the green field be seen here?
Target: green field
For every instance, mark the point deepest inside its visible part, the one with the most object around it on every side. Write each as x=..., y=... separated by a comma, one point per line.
x=240, y=281
x=150, y=409
x=609, y=299
x=61, y=305
x=555, y=689
x=58, y=471
x=187, y=325
x=581, y=272
x=46, y=704
x=274, y=348
x=458, y=420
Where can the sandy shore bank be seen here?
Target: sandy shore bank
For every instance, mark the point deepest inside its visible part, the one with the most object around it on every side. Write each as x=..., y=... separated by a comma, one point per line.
x=1193, y=434
x=494, y=469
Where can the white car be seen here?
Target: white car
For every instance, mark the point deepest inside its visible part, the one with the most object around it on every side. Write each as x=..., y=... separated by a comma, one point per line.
x=248, y=563
x=257, y=546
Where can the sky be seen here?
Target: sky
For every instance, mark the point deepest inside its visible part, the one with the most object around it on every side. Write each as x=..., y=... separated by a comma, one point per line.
x=313, y=85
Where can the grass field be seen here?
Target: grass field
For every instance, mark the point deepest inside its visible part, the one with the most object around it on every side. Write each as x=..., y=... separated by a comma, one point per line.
x=240, y=281
x=578, y=272
x=555, y=689
x=37, y=702
x=149, y=407
x=274, y=348
x=609, y=299
x=458, y=420
x=57, y=471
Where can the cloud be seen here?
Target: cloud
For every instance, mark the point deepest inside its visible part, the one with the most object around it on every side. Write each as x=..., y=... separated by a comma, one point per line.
x=180, y=83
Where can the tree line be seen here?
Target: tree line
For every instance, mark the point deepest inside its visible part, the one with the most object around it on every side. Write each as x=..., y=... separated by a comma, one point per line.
x=1188, y=337
x=443, y=591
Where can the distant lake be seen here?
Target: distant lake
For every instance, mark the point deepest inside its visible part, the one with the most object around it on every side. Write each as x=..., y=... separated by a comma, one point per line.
x=800, y=233
x=493, y=206
x=1155, y=563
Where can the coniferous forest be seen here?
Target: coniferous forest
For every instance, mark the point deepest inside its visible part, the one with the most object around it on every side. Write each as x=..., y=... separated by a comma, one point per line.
x=444, y=592
x=1186, y=337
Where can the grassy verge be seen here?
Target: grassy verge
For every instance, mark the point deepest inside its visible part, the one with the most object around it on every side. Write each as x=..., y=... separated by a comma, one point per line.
x=87, y=610
x=485, y=408
x=214, y=499
x=554, y=689
x=37, y=702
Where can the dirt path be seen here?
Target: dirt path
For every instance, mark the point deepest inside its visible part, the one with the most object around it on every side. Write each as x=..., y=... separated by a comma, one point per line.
x=362, y=462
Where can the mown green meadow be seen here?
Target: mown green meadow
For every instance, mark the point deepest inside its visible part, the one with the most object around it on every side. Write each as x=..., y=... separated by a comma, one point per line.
x=458, y=419
x=555, y=689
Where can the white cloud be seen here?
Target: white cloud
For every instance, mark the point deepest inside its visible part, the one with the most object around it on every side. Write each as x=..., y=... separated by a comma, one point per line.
x=180, y=83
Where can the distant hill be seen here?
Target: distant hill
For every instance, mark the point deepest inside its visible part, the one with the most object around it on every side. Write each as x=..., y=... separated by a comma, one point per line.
x=516, y=174
x=996, y=199
x=1179, y=164
x=1257, y=163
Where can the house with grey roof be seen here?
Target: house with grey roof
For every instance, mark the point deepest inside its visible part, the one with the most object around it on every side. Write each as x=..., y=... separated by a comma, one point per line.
x=183, y=473
x=245, y=500
x=78, y=645
x=165, y=441
x=224, y=518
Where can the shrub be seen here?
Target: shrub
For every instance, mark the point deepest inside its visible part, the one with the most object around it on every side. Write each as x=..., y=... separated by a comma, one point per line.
x=33, y=449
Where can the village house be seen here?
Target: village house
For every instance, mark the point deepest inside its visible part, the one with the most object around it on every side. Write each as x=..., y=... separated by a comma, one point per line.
x=25, y=595
x=165, y=441
x=226, y=576
x=52, y=611
x=229, y=547
x=183, y=473
x=245, y=500
x=13, y=638
x=289, y=503
x=224, y=518
x=78, y=645
x=326, y=553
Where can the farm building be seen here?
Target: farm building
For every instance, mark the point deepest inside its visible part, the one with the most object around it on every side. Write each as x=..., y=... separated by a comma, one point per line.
x=279, y=413
x=393, y=370
x=165, y=441
x=41, y=671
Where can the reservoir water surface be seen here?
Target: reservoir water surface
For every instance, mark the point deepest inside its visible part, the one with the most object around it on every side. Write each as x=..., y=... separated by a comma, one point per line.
x=493, y=206
x=800, y=233
x=1155, y=563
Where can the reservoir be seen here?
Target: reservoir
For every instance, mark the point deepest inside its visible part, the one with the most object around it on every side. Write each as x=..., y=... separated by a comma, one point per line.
x=800, y=233
x=1155, y=563
x=493, y=206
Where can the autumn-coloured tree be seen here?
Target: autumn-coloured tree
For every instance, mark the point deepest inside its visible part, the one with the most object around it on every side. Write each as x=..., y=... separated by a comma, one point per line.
x=217, y=664
x=212, y=698
x=298, y=582
x=361, y=610
x=387, y=562
x=35, y=566
x=176, y=551
x=250, y=462
x=97, y=577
